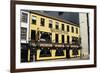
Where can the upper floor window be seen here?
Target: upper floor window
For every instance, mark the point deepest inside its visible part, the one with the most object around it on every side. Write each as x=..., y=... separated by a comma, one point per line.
x=42, y=21
x=77, y=30
x=33, y=19
x=68, y=39
x=63, y=27
x=57, y=25
x=62, y=38
x=24, y=17
x=56, y=38
x=50, y=23
x=23, y=33
x=67, y=28
x=72, y=29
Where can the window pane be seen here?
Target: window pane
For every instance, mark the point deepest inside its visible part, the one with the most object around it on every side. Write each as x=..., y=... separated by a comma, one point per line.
x=68, y=39
x=77, y=30
x=42, y=21
x=50, y=23
x=63, y=27
x=57, y=25
x=24, y=17
x=56, y=38
x=33, y=19
x=67, y=28
x=62, y=38
x=72, y=29
x=33, y=35
x=23, y=33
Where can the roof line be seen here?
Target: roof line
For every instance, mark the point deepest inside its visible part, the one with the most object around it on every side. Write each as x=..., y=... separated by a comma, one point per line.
x=55, y=18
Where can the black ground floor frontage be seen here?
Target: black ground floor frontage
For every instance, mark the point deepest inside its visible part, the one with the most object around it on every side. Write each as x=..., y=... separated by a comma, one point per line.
x=38, y=53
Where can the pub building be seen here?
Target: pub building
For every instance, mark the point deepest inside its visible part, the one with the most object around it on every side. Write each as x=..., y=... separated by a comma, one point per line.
x=45, y=37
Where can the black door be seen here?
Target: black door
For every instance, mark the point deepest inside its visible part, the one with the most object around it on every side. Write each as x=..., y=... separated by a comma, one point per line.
x=67, y=52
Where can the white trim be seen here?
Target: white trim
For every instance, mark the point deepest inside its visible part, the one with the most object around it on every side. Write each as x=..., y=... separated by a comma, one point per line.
x=26, y=25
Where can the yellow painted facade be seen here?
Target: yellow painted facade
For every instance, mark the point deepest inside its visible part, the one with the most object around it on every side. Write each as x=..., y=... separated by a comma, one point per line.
x=54, y=31
x=28, y=55
x=46, y=28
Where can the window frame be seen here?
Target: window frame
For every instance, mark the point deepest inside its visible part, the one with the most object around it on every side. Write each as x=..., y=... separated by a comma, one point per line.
x=68, y=30
x=50, y=23
x=72, y=29
x=25, y=18
x=77, y=30
x=25, y=33
x=34, y=19
x=42, y=21
x=63, y=27
x=57, y=25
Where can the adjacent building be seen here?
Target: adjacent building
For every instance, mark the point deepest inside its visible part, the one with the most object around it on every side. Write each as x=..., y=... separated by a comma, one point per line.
x=84, y=27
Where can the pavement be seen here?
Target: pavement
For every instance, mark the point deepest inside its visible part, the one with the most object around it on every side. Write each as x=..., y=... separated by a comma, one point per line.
x=70, y=59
